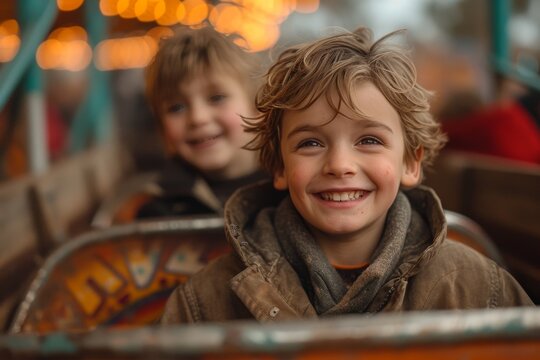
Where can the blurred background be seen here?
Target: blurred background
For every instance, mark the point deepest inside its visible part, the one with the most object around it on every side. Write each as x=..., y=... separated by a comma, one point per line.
x=87, y=59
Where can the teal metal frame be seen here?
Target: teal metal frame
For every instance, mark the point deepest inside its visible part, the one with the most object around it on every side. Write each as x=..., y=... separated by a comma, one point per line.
x=37, y=18
x=500, y=45
x=92, y=123
x=93, y=119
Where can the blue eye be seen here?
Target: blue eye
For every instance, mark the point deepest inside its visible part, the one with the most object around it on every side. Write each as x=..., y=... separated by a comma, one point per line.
x=175, y=108
x=370, y=140
x=217, y=98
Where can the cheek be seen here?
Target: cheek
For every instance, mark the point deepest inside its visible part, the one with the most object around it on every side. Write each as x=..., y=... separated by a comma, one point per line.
x=387, y=174
x=174, y=129
x=299, y=178
x=233, y=123
x=231, y=116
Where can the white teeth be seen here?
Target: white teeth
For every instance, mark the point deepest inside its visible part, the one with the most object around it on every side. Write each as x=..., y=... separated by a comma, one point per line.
x=202, y=140
x=342, y=196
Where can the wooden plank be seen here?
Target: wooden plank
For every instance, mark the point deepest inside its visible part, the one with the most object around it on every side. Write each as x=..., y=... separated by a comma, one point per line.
x=65, y=200
x=446, y=178
x=18, y=233
x=505, y=197
x=19, y=251
x=506, y=203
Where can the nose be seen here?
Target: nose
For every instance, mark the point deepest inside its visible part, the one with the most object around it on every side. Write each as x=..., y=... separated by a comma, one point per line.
x=199, y=114
x=340, y=162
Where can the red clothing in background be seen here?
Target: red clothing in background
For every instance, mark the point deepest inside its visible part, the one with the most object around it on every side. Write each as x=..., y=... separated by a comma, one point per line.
x=501, y=130
x=57, y=132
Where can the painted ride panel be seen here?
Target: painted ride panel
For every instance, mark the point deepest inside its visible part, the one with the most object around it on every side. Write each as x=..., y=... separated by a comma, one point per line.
x=118, y=277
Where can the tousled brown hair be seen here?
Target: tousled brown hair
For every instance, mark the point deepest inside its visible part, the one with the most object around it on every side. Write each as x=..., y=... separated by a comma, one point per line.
x=192, y=52
x=304, y=73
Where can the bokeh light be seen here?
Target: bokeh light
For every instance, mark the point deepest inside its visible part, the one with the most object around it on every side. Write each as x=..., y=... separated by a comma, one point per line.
x=196, y=12
x=125, y=53
x=9, y=40
x=126, y=8
x=66, y=48
x=257, y=22
x=108, y=7
x=69, y=5
x=165, y=12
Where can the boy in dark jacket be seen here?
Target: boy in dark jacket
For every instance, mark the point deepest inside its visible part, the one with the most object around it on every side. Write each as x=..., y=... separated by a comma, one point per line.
x=345, y=129
x=200, y=85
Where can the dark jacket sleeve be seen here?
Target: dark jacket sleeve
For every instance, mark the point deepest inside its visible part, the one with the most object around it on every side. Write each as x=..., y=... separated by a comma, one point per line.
x=178, y=309
x=512, y=294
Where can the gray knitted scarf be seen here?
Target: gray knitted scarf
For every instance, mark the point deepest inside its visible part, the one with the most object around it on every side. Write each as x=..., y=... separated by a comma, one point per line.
x=324, y=286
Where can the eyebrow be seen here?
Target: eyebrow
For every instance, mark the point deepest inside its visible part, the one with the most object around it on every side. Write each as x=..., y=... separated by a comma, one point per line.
x=367, y=123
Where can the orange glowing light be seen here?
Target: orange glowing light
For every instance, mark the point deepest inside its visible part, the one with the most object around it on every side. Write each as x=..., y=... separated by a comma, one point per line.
x=259, y=36
x=196, y=12
x=9, y=46
x=108, y=7
x=181, y=12
x=69, y=5
x=65, y=49
x=145, y=9
x=125, y=53
x=77, y=56
x=69, y=33
x=140, y=7
x=48, y=53
x=9, y=27
x=168, y=12
x=226, y=18
x=126, y=8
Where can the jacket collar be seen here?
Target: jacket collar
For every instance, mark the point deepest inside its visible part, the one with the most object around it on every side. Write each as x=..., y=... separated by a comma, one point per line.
x=271, y=288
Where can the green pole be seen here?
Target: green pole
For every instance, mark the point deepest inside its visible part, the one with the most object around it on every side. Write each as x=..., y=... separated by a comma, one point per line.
x=29, y=12
x=500, y=40
x=92, y=123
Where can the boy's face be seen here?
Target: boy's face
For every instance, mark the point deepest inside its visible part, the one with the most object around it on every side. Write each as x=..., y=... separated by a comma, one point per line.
x=343, y=175
x=204, y=127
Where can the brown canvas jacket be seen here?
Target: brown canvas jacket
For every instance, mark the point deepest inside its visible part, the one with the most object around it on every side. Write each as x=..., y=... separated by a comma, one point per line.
x=257, y=282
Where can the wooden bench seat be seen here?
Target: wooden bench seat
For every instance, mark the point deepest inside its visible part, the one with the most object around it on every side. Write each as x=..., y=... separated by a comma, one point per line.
x=503, y=197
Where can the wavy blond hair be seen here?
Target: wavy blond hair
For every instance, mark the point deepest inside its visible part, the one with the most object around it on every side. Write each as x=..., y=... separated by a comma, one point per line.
x=337, y=63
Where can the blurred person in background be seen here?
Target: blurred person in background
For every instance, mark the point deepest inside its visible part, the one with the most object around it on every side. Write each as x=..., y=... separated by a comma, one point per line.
x=506, y=128
x=201, y=85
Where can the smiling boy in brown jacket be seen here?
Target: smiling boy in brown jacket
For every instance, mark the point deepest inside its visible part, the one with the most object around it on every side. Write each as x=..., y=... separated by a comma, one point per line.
x=346, y=130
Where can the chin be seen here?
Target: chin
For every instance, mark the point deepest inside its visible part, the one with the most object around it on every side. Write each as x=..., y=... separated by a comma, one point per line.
x=340, y=229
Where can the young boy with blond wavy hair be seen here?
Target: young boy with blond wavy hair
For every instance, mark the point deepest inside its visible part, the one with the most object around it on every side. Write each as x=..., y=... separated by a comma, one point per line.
x=346, y=228
x=200, y=85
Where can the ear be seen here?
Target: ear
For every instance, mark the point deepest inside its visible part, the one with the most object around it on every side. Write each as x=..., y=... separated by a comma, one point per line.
x=280, y=181
x=412, y=171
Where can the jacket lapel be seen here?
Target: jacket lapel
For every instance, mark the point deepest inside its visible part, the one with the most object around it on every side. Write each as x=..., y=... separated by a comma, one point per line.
x=266, y=301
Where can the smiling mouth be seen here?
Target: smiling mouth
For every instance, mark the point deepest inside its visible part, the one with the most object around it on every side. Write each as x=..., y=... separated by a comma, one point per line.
x=204, y=140
x=343, y=196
